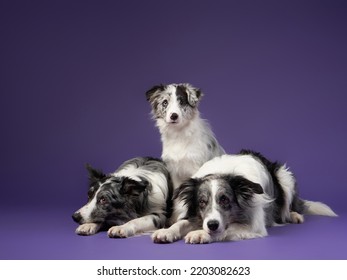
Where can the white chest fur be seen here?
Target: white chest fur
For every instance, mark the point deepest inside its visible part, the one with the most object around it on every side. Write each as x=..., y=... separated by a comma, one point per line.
x=186, y=149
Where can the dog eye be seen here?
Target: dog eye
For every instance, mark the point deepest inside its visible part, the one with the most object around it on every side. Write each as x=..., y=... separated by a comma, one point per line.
x=224, y=200
x=165, y=103
x=102, y=200
x=181, y=102
x=202, y=203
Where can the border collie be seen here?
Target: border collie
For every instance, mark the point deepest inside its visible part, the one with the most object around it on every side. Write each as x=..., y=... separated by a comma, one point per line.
x=134, y=199
x=188, y=141
x=235, y=197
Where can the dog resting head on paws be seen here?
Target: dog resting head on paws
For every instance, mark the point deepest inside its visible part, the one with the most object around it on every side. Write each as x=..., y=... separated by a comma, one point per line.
x=134, y=199
x=218, y=204
x=236, y=197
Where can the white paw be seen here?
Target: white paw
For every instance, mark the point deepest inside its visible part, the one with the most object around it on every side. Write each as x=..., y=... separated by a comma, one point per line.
x=296, y=218
x=198, y=237
x=164, y=236
x=120, y=232
x=87, y=229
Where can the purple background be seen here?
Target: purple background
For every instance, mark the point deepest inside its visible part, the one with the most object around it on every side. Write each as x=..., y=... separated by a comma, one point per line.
x=72, y=83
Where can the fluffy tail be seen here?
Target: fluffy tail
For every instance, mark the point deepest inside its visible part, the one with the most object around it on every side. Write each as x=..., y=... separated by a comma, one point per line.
x=318, y=208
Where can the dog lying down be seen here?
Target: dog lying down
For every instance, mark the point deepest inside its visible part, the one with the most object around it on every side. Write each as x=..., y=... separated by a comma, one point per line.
x=132, y=200
x=234, y=197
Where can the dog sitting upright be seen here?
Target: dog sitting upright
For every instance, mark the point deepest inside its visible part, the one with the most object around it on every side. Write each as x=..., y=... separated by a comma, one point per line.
x=188, y=142
x=136, y=198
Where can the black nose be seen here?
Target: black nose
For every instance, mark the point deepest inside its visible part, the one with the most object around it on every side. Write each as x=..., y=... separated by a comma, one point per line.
x=174, y=116
x=77, y=217
x=213, y=225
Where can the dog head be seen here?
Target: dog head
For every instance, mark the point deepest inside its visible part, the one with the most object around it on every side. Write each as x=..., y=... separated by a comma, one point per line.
x=112, y=200
x=216, y=201
x=174, y=104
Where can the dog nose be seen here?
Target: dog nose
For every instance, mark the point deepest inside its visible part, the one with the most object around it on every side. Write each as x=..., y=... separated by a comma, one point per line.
x=174, y=116
x=213, y=225
x=77, y=217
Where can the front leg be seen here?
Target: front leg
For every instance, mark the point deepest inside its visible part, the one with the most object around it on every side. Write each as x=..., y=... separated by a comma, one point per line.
x=136, y=226
x=198, y=237
x=176, y=232
x=237, y=232
x=88, y=229
x=122, y=231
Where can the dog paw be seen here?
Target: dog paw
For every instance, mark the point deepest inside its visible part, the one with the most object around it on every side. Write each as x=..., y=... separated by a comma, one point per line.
x=87, y=229
x=120, y=232
x=164, y=236
x=296, y=218
x=198, y=237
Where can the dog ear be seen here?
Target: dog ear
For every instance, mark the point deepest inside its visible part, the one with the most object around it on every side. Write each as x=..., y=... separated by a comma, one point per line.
x=132, y=187
x=155, y=89
x=94, y=174
x=187, y=193
x=193, y=94
x=244, y=188
x=186, y=189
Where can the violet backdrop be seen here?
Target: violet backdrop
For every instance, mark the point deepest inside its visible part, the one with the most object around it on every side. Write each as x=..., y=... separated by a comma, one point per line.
x=73, y=81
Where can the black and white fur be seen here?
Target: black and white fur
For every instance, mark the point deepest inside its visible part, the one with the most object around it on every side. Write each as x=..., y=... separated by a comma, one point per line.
x=236, y=197
x=134, y=199
x=188, y=141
